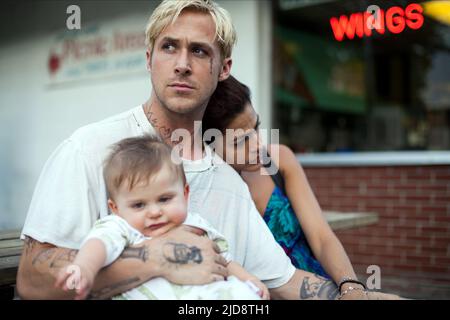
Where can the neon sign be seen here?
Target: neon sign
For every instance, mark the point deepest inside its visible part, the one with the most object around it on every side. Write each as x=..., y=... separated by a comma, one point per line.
x=394, y=19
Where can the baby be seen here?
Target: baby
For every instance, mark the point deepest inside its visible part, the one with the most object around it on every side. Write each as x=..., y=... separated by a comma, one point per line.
x=148, y=196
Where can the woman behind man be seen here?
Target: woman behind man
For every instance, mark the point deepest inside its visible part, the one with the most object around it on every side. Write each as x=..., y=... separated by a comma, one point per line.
x=285, y=199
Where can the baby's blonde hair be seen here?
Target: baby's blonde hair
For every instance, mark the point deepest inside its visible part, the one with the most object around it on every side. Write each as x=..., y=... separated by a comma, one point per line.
x=169, y=10
x=137, y=159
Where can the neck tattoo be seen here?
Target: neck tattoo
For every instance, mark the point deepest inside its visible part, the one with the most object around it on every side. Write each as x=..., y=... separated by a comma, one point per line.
x=164, y=131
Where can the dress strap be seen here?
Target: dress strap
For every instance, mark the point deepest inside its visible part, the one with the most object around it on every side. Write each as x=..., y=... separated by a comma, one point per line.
x=277, y=177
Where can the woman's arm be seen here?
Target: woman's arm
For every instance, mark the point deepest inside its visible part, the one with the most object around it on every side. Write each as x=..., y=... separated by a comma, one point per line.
x=324, y=243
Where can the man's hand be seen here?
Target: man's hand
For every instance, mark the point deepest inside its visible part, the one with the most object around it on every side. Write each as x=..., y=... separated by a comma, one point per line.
x=187, y=258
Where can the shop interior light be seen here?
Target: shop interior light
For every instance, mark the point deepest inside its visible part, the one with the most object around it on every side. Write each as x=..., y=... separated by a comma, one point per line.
x=438, y=10
x=295, y=4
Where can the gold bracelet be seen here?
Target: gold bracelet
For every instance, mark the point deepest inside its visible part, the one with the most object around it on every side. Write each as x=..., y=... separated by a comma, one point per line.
x=351, y=289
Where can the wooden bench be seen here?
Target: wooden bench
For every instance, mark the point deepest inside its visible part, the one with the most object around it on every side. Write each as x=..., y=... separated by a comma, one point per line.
x=11, y=245
x=10, y=250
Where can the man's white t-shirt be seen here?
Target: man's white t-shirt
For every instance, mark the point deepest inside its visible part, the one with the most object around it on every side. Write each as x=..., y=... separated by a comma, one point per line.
x=70, y=196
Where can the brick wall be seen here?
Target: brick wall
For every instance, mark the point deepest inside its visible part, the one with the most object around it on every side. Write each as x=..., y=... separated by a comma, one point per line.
x=411, y=241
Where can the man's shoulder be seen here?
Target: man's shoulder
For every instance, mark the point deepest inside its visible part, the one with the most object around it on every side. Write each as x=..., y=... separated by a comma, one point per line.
x=93, y=138
x=102, y=127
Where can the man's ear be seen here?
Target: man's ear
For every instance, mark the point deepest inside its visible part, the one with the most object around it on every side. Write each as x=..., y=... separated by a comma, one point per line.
x=112, y=205
x=186, y=191
x=226, y=69
x=148, y=55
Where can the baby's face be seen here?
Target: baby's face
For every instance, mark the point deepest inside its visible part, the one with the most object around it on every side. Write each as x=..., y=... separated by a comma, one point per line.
x=153, y=207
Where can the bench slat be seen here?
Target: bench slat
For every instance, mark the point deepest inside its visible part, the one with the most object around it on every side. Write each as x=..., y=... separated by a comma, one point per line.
x=9, y=234
x=16, y=251
x=11, y=243
x=9, y=262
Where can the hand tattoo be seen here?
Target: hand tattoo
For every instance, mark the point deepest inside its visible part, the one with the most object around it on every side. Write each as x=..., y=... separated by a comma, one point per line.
x=181, y=254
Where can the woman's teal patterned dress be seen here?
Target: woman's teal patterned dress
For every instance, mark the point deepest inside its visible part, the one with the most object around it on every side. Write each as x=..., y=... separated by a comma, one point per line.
x=282, y=221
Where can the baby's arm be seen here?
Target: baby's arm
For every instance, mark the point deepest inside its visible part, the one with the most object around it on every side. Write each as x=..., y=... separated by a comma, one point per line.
x=236, y=270
x=81, y=273
x=102, y=246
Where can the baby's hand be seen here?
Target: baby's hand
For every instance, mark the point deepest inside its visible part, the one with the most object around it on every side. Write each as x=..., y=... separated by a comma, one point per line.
x=75, y=277
x=259, y=287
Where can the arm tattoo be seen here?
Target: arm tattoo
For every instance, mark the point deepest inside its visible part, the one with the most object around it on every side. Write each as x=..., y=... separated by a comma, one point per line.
x=64, y=258
x=322, y=289
x=113, y=289
x=29, y=244
x=61, y=260
x=181, y=254
x=43, y=256
x=136, y=253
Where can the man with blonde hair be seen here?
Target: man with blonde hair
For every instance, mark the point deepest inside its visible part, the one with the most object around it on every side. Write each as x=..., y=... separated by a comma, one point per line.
x=189, y=50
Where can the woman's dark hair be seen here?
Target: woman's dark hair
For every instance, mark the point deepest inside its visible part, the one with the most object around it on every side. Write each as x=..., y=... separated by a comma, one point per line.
x=225, y=104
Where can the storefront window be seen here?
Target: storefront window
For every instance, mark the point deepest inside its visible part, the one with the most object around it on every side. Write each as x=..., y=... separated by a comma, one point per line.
x=348, y=79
